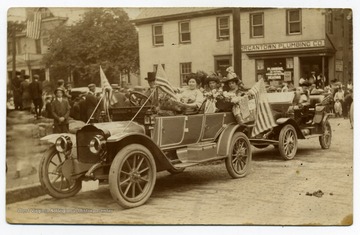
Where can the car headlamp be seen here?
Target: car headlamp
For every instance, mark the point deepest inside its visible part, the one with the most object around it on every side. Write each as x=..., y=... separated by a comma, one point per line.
x=63, y=144
x=97, y=144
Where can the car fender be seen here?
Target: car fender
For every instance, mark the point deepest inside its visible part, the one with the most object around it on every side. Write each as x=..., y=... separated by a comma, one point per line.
x=326, y=117
x=119, y=141
x=53, y=137
x=283, y=121
x=223, y=144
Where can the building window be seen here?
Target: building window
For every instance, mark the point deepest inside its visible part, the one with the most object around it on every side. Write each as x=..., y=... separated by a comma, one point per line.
x=293, y=19
x=158, y=37
x=257, y=25
x=221, y=64
x=155, y=66
x=223, y=28
x=330, y=22
x=185, y=70
x=184, y=32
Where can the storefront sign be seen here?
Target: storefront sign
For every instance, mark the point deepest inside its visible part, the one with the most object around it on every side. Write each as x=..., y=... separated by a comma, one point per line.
x=274, y=73
x=283, y=45
x=287, y=76
x=338, y=65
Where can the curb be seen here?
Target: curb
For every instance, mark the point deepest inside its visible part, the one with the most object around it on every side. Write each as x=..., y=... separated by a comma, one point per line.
x=24, y=193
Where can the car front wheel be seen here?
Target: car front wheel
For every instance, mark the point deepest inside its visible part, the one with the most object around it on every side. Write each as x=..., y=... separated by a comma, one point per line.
x=132, y=176
x=52, y=178
x=288, y=142
x=239, y=159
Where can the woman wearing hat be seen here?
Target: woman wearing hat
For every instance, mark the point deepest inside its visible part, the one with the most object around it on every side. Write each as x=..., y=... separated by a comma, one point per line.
x=231, y=84
x=60, y=110
x=212, y=83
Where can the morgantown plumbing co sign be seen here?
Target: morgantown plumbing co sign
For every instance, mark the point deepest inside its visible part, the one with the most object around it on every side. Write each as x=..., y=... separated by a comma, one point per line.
x=283, y=45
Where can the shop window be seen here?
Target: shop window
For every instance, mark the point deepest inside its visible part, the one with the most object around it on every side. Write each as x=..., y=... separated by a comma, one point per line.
x=275, y=71
x=222, y=63
x=184, y=32
x=185, y=70
x=293, y=19
x=223, y=28
x=158, y=37
x=257, y=25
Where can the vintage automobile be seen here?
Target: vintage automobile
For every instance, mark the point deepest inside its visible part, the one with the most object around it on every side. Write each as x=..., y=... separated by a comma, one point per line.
x=295, y=121
x=129, y=151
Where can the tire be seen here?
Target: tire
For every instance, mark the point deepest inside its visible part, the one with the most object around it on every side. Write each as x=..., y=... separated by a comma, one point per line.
x=239, y=159
x=288, y=142
x=325, y=139
x=132, y=176
x=176, y=170
x=50, y=165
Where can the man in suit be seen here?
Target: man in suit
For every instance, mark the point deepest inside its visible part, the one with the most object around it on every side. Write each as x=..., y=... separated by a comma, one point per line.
x=36, y=95
x=60, y=110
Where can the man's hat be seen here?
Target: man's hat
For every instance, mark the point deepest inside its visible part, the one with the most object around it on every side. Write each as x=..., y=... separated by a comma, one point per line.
x=115, y=86
x=60, y=89
x=36, y=76
x=91, y=85
x=150, y=76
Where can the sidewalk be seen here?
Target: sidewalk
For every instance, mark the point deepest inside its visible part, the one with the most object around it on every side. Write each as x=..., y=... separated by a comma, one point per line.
x=24, y=150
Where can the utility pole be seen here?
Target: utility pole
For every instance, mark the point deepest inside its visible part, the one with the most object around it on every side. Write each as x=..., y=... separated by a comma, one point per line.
x=237, y=41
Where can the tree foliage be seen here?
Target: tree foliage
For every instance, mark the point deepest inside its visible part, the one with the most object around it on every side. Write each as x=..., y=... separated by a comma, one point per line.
x=103, y=37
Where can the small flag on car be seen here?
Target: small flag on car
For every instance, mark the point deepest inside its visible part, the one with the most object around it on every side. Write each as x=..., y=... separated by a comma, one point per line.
x=162, y=82
x=264, y=118
x=105, y=85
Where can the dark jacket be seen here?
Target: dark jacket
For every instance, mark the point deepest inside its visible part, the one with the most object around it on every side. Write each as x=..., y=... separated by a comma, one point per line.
x=35, y=90
x=91, y=102
x=60, y=109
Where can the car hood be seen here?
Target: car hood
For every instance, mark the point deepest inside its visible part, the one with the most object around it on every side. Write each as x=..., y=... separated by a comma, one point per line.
x=114, y=128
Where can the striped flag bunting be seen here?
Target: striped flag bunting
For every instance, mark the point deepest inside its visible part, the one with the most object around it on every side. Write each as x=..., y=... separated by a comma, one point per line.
x=264, y=118
x=105, y=85
x=162, y=82
x=33, y=27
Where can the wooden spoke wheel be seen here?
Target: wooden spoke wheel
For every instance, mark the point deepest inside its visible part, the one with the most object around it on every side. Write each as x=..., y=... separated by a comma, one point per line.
x=325, y=139
x=288, y=142
x=52, y=178
x=239, y=159
x=132, y=176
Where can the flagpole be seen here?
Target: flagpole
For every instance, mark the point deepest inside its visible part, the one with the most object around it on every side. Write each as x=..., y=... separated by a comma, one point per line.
x=94, y=110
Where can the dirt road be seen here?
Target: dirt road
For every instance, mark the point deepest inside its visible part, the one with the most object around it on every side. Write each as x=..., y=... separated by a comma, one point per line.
x=275, y=192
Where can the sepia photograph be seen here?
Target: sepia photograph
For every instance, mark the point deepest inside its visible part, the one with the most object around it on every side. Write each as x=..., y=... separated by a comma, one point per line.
x=206, y=115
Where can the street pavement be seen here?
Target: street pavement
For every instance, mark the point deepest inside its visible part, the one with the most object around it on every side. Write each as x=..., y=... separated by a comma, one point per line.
x=315, y=188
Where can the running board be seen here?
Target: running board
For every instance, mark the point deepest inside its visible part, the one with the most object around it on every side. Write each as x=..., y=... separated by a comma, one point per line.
x=189, y=163
x=312, y=136
x=198, y=153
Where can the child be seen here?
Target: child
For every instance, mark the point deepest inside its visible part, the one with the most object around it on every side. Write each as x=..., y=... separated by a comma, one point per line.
x=60, y=110
x=338, y=108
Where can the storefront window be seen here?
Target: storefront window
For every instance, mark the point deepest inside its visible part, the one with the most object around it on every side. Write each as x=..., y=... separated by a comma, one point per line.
x=275, y=71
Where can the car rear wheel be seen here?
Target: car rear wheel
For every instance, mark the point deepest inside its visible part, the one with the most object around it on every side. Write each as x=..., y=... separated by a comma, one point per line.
x=288, y=142
x=325, y=139
x=52, y=178
x=132, y=176
x=239, y=159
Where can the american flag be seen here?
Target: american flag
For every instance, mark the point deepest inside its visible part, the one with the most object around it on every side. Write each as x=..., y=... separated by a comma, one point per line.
x=162, y=82
x=33, y=27
x=105, y=85
x=264, y=118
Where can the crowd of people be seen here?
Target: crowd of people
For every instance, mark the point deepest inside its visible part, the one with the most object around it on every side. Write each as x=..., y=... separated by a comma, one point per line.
x=86, y=106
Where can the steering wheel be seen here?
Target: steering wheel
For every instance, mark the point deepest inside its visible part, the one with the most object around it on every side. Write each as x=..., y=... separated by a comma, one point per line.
x=138, y=99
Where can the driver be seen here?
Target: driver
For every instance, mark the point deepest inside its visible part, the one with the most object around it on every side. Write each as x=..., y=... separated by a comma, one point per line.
x=152, y=88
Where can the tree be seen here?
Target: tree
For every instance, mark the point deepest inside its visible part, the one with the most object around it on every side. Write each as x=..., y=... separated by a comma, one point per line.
x=102, y=37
